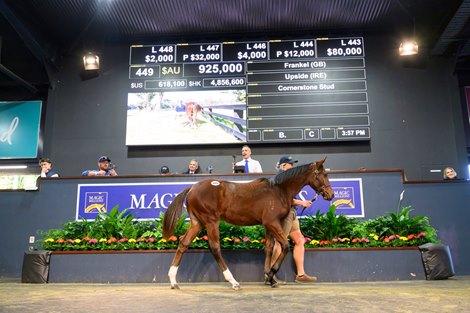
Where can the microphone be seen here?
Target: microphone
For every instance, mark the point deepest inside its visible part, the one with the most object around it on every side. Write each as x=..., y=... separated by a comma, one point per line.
x=234, y=157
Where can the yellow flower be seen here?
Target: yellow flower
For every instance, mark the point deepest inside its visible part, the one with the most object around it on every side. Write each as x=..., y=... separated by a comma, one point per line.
x=227, y=239
x=314, y=242
x=345, y=239
x=132, y=240
x=162, y=240
x=49, y=240
x=255, y=241
x=403, y=238
x=196, y=239
x=103, y=240
x=77, y=240
x=376, y=237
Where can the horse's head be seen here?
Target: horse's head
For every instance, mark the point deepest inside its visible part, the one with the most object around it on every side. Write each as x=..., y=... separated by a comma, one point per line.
x=318, y=180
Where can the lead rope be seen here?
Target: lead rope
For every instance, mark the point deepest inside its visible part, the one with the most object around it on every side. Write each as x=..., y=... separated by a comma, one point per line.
x=302, y=213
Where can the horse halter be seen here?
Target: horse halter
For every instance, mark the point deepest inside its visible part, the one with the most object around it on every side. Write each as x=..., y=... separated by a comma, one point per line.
x=323, y=189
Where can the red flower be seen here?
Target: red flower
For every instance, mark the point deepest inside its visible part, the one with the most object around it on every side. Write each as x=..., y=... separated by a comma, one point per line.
x=355, y=240
x=411, y=237
x=205, y=238
x=151, y=239
x=60, y=240
x=263, y=240
x=122, y=240
x=236, y=240
x=172, y=238
x=245, y=239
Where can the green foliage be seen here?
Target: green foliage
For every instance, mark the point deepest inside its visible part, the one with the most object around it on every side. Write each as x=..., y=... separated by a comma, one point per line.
x=181, y=226
x=328, y=226
x=119, y=231
x=403, y=224
x=74, y=229
x=396, y=224
x=113, y=224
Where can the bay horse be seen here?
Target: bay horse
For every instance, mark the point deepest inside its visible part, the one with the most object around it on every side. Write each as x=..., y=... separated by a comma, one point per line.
x=259, y=202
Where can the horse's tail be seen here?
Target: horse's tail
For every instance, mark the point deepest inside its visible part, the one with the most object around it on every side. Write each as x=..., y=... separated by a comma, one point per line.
x=173, y=213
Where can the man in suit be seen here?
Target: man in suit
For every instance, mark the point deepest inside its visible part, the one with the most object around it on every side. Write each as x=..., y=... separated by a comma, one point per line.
x=193, y=167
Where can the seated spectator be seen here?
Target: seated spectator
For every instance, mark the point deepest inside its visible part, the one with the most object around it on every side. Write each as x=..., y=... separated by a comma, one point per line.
x=105, y=168
x=193, y=167
x=164, y=170
x=46, y=168
x=450, y=173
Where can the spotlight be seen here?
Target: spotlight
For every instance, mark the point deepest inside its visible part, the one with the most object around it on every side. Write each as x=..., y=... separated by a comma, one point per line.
x=91, y=61
x=409, y=47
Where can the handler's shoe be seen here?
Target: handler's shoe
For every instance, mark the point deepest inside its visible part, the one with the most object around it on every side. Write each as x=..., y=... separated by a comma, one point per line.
x=305, y=279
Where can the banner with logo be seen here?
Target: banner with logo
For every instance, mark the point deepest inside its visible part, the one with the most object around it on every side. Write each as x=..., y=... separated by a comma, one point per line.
x=20, y=122
x=149, y=200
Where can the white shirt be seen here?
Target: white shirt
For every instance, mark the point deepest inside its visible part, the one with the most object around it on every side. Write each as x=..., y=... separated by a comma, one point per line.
x=253, y=165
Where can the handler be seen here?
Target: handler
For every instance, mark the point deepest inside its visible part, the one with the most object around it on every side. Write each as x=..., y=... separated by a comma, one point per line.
x=291, y=227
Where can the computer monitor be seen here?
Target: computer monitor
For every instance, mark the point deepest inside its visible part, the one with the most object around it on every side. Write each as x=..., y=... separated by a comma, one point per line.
x=239, y=169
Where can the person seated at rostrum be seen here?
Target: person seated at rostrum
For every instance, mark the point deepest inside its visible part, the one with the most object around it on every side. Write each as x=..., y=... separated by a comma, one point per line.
x=193, y=167
x=450, y=173
x=46, y=168
x=105, y=168
x=164, y=170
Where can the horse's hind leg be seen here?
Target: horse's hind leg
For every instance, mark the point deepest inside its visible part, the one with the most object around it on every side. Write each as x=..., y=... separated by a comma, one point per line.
x=191, y=233
x=214, y=245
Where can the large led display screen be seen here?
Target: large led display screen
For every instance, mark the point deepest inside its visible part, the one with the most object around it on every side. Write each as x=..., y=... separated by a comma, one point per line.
x=248, y=92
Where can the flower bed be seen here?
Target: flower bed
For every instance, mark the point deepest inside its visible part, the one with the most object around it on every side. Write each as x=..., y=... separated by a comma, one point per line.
x=119, y=231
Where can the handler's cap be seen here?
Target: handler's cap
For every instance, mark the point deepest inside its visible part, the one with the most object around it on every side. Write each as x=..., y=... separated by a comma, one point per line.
x=104, y=158
x=164, y=169
x=287, y=159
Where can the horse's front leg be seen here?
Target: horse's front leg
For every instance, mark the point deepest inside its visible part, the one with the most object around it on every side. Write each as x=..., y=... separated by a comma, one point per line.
x=191, y=233
x=278, y=234
x=268, y=249
x=214, y=245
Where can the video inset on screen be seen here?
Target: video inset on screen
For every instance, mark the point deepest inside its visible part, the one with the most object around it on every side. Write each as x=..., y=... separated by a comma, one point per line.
x=189, y=117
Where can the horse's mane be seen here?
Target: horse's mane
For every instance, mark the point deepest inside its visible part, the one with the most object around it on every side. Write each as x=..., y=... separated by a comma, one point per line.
x=262, y=180
x=286, y=175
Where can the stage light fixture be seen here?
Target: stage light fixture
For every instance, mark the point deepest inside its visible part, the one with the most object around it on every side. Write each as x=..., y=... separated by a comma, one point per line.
x=12, y=167
x=408, y=47
x=91, y=61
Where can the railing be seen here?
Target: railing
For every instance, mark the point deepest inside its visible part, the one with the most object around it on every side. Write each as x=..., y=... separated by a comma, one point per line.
x=240, y=122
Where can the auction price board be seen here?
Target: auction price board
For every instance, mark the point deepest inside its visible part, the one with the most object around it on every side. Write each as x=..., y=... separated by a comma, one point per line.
x=293, y=90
